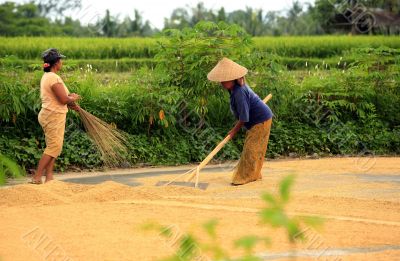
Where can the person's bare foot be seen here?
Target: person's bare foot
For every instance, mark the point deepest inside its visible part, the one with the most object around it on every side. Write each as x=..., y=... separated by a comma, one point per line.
x=49, y=177
x=35, y=181
x=35, y=178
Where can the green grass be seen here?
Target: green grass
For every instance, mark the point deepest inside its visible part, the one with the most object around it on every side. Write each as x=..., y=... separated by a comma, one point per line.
x=321, y=46
x=115, y=48
x=132, y=64
x=102, y=65
x=78, y=48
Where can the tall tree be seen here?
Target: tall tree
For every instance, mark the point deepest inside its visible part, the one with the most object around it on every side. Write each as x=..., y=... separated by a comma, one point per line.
x=137, y=23
x=199, y=13
x=108, y=24
x=324, y=13
x=179, y=19
x=221, y=16
x=56, y=8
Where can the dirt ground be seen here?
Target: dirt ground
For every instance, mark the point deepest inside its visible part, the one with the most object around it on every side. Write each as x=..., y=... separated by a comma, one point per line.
x=359, y=198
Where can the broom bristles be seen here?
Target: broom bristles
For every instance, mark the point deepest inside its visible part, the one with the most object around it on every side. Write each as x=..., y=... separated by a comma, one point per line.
x=109, y=141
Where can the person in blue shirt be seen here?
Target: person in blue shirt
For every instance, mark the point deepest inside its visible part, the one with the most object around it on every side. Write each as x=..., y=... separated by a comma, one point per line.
x=251, y=112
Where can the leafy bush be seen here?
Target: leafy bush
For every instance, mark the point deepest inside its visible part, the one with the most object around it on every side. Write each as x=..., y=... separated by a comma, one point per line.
x=187, y=55
x=9, y=168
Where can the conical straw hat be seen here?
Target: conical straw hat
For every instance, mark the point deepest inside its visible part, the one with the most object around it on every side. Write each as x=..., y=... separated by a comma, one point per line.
x=226, y=70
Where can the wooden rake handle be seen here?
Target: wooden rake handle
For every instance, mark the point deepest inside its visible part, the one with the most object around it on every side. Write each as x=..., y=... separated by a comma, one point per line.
x=216, y=150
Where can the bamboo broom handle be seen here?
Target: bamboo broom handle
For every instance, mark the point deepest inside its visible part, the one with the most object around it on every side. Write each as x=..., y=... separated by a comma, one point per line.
x=215, y=151
x=219, y=147
x=266, y=99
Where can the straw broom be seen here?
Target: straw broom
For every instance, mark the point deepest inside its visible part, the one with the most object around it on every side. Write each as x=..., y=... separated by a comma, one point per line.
x=109, y=141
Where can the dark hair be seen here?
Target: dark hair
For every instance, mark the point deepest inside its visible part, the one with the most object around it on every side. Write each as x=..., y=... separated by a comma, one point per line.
x=52, y=63
x=237, y=81
x=50, y=58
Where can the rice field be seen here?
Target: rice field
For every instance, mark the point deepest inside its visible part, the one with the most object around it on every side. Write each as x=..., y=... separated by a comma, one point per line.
x=127, y=54
x=116, y=48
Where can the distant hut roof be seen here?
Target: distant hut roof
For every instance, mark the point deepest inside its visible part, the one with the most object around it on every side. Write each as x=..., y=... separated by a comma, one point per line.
x=380, y=17
x=385, y=18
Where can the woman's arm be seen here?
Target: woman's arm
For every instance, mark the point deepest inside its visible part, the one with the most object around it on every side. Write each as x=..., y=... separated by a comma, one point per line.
x=235, y=129
x=62, y=96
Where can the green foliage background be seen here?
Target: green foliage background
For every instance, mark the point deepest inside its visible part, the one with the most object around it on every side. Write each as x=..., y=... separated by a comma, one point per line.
x=330, y=98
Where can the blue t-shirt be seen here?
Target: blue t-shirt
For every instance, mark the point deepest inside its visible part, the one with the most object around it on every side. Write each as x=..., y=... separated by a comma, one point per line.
x=246, y=106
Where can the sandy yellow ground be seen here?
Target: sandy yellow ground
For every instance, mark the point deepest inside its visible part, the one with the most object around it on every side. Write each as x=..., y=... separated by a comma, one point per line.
x=358, y=197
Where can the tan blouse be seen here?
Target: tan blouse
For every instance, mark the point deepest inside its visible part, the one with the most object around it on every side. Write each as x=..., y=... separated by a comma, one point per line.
x=49, y=99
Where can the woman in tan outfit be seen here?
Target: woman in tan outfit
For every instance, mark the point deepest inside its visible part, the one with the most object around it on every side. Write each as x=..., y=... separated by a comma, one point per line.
x=252, y=113
x=56, y=100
